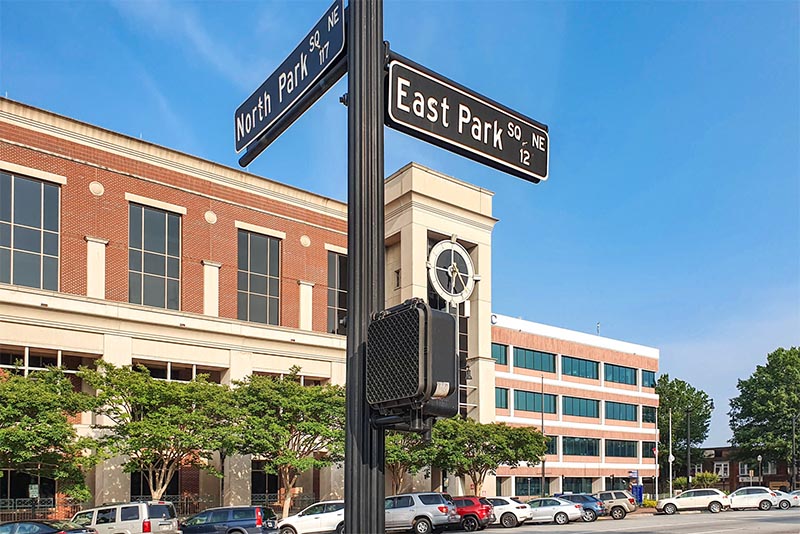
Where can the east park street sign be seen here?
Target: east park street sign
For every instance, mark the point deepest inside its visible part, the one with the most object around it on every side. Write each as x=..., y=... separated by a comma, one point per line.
x=316, y=54
x=432, y=108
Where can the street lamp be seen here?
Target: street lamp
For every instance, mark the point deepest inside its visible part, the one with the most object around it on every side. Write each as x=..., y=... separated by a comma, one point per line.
x=760, y=474
x=794, y=451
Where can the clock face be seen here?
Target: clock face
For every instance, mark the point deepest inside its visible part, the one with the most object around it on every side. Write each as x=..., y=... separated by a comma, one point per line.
x=451, y=271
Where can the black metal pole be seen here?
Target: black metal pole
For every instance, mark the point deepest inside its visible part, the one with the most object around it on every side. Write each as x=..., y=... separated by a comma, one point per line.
x=364, y=445
x=794, y=452
x=688, y=451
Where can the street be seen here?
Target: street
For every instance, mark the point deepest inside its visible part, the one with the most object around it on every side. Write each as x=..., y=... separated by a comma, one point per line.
x=773, y=522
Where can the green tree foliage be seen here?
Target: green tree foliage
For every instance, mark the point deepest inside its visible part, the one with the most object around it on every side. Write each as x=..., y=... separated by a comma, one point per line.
x=468, y=448
x=36, y=435
x=406, y=453
x=681, y=483
x=291, y=426
x=682, y=399
x=158, y=426
x=705, y=479
x=761, y=415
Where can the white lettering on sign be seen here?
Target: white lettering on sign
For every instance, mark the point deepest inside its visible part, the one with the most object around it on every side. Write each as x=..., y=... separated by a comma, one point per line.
x=480, y=130
x=333, y=18
x=246, y=122
x=430, y=109
x=290, y=80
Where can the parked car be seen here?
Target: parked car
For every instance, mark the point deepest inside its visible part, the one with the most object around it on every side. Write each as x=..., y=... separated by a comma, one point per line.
x=554, y=509
x=421, y=512
x=44, y=526
x=619, y=503
x=476, y=513
x=795, y=492
x=709, y=499
x=753, y=497
x=324, y=516
x=787, y=500
x=592, y=506
x=509, y=511
x=232, y=520
x=130, y=518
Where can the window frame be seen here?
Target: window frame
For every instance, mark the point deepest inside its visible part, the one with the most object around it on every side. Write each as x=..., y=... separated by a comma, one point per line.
x=529, y=399
x=621, y=411
x=500, y=359
x=245, y=273
x=336, y=293
x=534, y=360
x=581, y=363
x=618, y=374
x=139, y=256
x=572, y=402
x=501, y=398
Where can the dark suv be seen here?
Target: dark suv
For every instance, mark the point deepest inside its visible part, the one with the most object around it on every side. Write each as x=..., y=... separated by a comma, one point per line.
x=592, y=506
x=476, y=513
x=232, y=520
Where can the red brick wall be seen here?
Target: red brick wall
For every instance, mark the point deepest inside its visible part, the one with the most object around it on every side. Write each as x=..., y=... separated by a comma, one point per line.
x=106, y=217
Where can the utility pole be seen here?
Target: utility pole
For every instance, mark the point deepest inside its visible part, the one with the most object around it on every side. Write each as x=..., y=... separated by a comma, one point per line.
x=655, y=453
x=688, y=451
x=545, y=456
x=794, y=452
x=670, y=458
x=364, y=460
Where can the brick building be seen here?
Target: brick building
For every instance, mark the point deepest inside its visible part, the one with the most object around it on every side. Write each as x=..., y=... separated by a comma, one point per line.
x=116, y=248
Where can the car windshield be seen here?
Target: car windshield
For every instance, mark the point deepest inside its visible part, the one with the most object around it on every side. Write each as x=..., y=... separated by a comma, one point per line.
x=161, y=511
x=517, y=500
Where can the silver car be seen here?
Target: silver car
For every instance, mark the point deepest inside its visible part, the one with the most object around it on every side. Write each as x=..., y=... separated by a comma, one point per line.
x=421, y=512
x=556, y=510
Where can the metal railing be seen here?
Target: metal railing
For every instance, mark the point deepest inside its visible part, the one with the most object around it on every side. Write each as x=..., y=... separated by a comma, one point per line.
x=185, y=505
x=47, y=508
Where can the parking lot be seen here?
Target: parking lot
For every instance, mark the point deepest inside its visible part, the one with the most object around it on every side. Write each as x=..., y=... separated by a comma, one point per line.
x=771, y=522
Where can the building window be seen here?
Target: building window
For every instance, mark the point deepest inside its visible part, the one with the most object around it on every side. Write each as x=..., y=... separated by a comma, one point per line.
x=528, y=401
x=581, y=407
x=744, y=470
x=535, y=360
x=648, y=414
x=552, y=445
x=337, y=293
x=154, y=257
x=258, y=281
x=722, y=469
x=29, y=232
x=577, y=484
x=621, y=449
x=770, y=468
x=620, y=411
x=500, y=353
x=649, y=449
x=527, y=486
x=648, y=379
x=579, y=367
x=581, y=446
x=501, y=398
x=619, y=374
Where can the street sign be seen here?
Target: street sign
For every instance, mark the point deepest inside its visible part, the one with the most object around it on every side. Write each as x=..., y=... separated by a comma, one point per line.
x=316, y=54
x=432, y=108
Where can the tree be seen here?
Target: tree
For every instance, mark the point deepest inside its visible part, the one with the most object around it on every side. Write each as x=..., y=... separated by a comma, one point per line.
x=36, y=435
x=683, y=400
x=468, y=448
x=705, y=479
x=761, y=415
x=292, y=427
x=158, y=426
x=406, y=453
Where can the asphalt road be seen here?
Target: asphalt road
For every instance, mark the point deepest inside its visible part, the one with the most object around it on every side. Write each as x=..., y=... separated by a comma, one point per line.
x=770, y=522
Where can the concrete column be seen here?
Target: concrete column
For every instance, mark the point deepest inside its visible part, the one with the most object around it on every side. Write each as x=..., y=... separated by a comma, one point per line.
x=211, y=288
x=481, y=363
x=413, y=259
x=238, y=468
x=96, y=267
x=306, y=305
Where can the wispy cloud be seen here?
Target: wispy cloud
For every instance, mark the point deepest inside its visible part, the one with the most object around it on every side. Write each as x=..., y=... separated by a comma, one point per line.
x=173, y=122
x=178, y=22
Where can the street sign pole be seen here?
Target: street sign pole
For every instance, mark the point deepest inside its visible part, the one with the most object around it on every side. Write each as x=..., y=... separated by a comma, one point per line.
x=365, y=453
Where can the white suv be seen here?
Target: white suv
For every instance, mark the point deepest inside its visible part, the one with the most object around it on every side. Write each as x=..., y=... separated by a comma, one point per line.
x=709, y=499
x=421, y=513
x=325, y=516
x=157, y=517
x=753, y=497
x=509, y=511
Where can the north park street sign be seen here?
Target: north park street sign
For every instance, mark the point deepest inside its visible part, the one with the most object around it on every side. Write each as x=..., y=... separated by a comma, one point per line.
x=432, y=108
x=314, y=56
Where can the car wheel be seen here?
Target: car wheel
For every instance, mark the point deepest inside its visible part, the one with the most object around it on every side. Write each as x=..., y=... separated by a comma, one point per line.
x=785, y=505
x=422, y=526
x=287, y=530
x=470, y=524
x=764, y=505
x=618, y=512
x=561, y=518
x=670, y=509
x=714, y=507
x=589, y=515
x=508, y=520
x=340, y=529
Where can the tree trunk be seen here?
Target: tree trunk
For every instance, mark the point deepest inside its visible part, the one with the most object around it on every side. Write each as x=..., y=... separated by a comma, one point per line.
x=289, y=479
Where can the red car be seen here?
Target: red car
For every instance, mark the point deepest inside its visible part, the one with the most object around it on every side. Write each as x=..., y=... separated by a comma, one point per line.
x=475, y=512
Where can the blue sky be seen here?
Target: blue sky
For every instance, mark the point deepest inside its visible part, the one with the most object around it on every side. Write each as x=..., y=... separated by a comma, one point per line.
x=672, y=211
